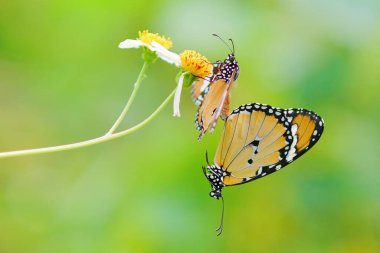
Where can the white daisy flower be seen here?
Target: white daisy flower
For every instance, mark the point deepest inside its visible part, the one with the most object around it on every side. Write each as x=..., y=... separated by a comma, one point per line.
x=192, y=64
x=155, y=43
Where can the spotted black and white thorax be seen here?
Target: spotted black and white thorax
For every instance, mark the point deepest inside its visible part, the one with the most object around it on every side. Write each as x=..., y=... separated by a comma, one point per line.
x=215, y=175
x=225, y=70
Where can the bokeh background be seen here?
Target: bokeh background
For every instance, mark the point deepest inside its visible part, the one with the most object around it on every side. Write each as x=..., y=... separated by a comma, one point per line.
x=63, y=79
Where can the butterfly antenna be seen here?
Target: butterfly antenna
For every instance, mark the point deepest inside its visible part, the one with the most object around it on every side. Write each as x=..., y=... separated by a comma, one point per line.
x=233, y=46
x=207, y=159
x=204, y=171
x=220, y=228
x=216, y=35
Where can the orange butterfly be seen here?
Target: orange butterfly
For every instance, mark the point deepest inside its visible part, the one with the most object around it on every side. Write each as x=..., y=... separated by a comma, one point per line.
x=212, y=94
x=258, y=140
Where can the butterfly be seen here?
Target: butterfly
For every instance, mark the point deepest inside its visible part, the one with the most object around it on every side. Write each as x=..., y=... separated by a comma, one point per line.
x=258, y=140
x=212, y=93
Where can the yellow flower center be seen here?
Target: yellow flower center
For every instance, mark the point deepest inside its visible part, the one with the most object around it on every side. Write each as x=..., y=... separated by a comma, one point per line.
x=195, y=63
x=147, y=37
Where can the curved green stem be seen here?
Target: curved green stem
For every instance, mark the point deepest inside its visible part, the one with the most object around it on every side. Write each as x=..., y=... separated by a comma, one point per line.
x=104, y=138
x=130, y=100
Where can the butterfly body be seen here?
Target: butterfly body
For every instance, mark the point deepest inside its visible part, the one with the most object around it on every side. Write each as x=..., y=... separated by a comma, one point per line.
x=215, y=175
x=225, y=70
x=258, y=140
x=213, y=95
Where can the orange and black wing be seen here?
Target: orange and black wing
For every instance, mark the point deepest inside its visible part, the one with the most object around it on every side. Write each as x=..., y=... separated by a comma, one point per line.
x=201, y=86
x=199, y=89
x=259, y=139
x=215, y=104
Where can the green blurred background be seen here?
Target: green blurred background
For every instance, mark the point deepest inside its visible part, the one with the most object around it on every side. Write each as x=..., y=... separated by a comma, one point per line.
x=63, y=79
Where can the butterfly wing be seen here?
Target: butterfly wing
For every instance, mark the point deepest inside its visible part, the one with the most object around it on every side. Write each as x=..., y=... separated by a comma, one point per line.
x=201, y=86
x=215, y=104
x=226, y=106
x=259, y=139
x=199, y=89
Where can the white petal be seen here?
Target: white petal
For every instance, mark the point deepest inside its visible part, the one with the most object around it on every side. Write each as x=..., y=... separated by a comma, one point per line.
x=131, y=44
x=165, y=54
x=177, y=96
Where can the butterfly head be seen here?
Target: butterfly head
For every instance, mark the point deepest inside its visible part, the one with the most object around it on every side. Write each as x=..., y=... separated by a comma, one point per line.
x=230, y=67
x=215, y=176
x=231, y=59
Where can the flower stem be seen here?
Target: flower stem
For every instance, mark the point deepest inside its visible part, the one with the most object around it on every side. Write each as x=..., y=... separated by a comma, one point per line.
x=104, y=138
x=130, y=100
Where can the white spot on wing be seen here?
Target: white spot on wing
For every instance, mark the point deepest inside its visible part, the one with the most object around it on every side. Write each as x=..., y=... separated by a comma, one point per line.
x=292, y=151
